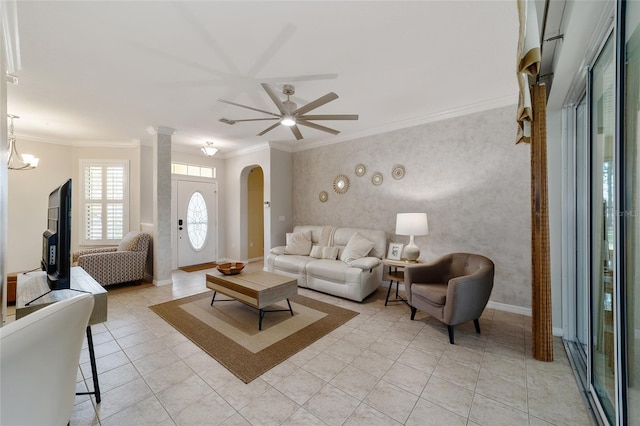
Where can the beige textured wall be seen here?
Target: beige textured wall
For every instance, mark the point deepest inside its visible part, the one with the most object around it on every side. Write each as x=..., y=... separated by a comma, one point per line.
x=465, y=173
x=28, y=198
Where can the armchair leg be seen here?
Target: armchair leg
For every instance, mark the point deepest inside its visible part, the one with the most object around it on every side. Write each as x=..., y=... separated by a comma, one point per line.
x=476, y=322
x=450, y=329
x=413, y=313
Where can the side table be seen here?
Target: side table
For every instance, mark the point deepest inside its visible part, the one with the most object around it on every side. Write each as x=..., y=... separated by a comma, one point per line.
x=395, y=272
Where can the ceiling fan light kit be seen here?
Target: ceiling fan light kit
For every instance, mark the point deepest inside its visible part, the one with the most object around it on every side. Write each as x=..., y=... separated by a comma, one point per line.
x=290, y=115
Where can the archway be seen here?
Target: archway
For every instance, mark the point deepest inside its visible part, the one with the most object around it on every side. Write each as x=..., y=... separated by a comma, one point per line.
x=252, y=213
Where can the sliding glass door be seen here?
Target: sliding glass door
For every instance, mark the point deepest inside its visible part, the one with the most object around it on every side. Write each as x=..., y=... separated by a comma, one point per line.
x=604, y=334
x=582, y=234
x=630, y=213
x=602, y=235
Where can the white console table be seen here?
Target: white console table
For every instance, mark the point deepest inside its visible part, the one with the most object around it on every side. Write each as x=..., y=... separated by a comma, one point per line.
x=33, y=294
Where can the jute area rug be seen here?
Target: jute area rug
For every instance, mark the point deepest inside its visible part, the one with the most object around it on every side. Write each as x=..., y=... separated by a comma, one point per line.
x=228, y=331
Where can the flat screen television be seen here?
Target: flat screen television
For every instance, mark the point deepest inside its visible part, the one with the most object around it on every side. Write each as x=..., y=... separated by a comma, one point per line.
x=56, y=244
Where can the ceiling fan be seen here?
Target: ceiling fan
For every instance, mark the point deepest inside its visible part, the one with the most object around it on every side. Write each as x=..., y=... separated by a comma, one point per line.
x=289, y=113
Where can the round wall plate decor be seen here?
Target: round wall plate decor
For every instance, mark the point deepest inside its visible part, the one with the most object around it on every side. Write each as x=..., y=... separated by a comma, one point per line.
x=376, y=179
x=341, y=184
x=398, y=172
x=361, y=169
x=324, y=196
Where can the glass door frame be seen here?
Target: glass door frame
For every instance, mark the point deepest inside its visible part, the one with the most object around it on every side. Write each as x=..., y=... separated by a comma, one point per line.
x=582, y=87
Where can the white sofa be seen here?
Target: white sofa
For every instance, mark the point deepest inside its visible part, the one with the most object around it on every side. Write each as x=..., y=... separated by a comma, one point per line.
x=351, y=278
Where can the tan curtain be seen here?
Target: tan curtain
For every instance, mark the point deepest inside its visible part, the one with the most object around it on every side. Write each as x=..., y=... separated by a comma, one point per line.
x=528, y=64
x=541, y=318
x=532, y=103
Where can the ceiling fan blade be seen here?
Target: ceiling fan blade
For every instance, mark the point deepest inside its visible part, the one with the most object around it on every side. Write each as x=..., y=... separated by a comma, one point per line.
x=329, y=117
x=268, y=129
x=317, y=127
x=255, y=119
x=296, y=132
x=248, y=107
x=317, y=103
x=274, y=97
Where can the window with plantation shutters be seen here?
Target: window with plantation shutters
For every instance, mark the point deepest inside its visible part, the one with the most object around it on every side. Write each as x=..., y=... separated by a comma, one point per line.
x=105, y=201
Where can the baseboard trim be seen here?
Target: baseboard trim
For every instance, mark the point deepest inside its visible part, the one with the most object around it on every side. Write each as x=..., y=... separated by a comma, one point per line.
x=557, y=331
x=160, y=283
x=492, y=305
x=509, y=308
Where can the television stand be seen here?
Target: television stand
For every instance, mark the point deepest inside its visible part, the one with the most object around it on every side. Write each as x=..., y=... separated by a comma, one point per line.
x=33, y=288
x=58, y=289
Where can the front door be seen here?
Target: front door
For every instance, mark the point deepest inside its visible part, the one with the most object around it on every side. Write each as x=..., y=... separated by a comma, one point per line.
x=196, y=223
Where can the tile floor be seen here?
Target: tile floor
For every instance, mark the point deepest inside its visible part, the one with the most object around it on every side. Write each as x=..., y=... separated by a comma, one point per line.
x=380, y=368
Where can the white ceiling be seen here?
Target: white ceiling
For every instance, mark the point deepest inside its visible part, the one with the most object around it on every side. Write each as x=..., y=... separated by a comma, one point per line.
x=103, y=72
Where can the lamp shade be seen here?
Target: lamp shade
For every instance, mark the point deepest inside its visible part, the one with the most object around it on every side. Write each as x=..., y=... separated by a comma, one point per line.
x=412, y=224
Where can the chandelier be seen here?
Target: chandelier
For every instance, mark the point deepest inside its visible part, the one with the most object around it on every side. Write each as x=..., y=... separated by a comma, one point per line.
x=15, y=160
x=209, y=150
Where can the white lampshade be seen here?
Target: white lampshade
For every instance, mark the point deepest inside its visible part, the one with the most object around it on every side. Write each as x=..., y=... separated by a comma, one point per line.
x=30, y=160
x=412, y=224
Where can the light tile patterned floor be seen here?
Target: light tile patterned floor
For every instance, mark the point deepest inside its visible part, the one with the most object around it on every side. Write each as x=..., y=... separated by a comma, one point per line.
x=378, y=369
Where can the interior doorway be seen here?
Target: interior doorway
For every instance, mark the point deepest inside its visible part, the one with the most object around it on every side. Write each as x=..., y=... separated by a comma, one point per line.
x=255, y=214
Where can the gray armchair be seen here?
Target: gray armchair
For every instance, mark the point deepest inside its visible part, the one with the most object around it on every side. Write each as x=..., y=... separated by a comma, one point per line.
x=114, y=265
x=454, y=289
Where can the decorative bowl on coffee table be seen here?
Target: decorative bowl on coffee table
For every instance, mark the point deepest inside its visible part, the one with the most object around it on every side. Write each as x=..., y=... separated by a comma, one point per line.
x=230, y=268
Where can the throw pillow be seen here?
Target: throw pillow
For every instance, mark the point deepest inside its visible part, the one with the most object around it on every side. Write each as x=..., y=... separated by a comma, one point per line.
x=324, y=252
x=298, y=243
x=316, y=252
x=129, y=242
x=357, y=247
x=330, y=253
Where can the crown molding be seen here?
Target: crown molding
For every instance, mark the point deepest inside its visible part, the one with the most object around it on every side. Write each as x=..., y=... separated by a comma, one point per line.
x=281, y=146
x=498, y=102
x=131, y=143
x=11, y=35
x=245, y=151
x=160, y=130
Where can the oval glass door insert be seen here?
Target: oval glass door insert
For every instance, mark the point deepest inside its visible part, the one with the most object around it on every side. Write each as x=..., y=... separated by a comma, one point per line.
x=197, y=221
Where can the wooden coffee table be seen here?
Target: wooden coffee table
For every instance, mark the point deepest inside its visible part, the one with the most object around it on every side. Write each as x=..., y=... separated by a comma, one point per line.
x=258, y=289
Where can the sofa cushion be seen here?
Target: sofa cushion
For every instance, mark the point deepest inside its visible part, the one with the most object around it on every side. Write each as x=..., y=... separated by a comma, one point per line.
x=298, y=243
x=435, y=293
x=357, y=247
x=328, y=269
x=293, y=264
x=277, y=250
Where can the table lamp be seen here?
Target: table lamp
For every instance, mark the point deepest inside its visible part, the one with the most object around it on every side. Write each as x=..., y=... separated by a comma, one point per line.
x=411, y=224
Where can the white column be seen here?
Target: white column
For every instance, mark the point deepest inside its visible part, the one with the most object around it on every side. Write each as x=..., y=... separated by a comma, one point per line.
x=4, y=188
x=161, y=205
